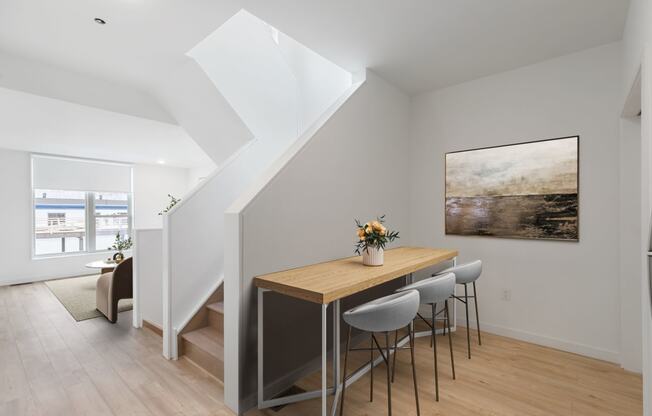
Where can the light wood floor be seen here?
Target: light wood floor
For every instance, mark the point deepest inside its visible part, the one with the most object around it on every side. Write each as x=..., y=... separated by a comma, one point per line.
x=52, y=365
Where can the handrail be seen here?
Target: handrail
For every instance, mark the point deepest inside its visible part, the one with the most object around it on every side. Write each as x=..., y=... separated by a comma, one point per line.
x=187, y=197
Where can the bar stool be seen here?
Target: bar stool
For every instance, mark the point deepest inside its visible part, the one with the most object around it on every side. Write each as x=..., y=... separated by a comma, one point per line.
x=386, y=314
x=465, y=274
x=432, y=291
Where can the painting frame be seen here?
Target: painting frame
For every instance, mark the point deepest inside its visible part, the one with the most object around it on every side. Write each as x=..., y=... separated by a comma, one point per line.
x=515, y=237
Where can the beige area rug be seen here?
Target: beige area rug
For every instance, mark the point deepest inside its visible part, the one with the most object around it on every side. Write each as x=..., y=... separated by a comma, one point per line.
x=77, y=295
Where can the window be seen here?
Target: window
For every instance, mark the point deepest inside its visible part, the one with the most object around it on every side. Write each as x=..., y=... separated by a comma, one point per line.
x=79, y=205
x=111, y=217
x=59, y=222
x=74, y=222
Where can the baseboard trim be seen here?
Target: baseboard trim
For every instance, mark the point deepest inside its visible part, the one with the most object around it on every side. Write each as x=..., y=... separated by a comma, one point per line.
x=559, y=344
x=27, y=280
x=157, y=329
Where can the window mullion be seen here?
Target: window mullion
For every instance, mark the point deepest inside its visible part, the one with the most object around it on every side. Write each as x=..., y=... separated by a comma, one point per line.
x=129, y=214
x=90, y=222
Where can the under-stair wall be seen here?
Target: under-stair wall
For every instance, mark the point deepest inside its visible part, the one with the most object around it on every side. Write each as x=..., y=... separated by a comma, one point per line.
x=354, y=166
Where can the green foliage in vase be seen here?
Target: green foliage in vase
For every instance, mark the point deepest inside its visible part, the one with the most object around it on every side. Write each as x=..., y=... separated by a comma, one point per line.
x=373, y=234
x=121, y=244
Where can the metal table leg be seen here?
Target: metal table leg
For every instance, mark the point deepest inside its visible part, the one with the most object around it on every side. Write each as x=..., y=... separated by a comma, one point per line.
x=293, y=398
x=324, y=361
x=260, y=348
x=336, y=356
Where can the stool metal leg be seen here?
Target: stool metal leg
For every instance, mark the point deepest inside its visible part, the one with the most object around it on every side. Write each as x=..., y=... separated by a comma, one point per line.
x=346, y=357
x=414, y=370
x=477, y=314
x=395, y=354
x=389, y=383
x=450, y=338
x=434, y=343
x=371, y=360
x=468, y=333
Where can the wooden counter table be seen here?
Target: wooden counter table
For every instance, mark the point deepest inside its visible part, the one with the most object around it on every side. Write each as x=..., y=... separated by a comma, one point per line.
x=329, y=282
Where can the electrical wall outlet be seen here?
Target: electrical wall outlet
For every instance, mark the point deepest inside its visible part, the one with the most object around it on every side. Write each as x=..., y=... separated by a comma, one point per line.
x=507, y=295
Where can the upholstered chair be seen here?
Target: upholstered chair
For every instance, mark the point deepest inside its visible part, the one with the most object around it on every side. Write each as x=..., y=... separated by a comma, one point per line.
x=113, y=286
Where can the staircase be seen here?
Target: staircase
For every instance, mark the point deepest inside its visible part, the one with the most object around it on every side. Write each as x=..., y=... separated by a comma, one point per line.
x=202, y=342
x=274, y=94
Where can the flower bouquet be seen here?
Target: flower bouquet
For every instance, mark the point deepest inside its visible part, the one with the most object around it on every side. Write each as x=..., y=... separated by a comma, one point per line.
x=373, y=236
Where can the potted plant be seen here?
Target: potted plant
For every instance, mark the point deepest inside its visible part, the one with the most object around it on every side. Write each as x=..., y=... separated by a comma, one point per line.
x=120, y=244
x=372, y=238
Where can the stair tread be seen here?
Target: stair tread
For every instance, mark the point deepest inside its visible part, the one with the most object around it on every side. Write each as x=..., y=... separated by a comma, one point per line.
x=216, y=307
x=208, y=339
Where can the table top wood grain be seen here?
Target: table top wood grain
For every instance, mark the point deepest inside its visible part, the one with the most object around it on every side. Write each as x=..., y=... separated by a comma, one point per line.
x=325, y=282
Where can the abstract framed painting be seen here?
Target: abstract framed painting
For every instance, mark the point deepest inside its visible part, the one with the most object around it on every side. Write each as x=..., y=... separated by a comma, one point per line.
x=525, y=190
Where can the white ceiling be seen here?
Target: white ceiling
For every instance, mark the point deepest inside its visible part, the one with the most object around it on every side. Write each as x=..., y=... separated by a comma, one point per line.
x=34, y=123
x=416, y=44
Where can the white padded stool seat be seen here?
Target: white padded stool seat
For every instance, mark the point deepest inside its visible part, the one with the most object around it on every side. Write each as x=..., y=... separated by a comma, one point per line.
x=388, y=313
x=434, y=289
x=465, y=273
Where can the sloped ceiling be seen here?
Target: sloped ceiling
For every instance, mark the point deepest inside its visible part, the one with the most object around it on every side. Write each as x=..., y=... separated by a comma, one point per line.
x=417, y=44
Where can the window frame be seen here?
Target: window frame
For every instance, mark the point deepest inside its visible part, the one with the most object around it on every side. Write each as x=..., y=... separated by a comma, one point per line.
x=90, y=225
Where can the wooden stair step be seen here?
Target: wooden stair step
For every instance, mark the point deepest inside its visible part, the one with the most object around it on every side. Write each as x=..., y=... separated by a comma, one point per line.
x=207, y=339
x=216, y=316
x=217, y=307
x=205, y=348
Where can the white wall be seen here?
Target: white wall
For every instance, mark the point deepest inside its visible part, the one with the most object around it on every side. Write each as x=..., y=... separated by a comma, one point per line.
x=202, y=111
x=16, y=207
x=319, y=81
x=242, y=60
x=199, y=174
x=637, y=45
x=646, y=221
x=148, y=276
x=564, y=294
x=630, y=245
x=355, y=166
x=636, y=39
x=152, y=184
x=278, y=90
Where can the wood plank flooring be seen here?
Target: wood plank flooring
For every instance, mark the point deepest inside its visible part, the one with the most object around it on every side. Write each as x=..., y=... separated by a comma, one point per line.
x=504, y=377
x=52, y=365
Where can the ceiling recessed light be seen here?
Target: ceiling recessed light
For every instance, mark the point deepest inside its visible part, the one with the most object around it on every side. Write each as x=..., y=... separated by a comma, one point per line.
x=99, y=21
x=161, y=162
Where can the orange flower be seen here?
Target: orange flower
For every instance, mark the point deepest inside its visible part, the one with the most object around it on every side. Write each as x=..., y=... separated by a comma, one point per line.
x=360, y=233
x=376, y=225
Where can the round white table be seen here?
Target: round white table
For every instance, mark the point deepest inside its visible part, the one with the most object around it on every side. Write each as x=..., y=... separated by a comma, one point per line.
x=103, y=265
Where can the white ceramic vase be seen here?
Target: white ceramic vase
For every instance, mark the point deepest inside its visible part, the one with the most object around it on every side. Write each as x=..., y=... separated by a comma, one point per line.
x=373, y=256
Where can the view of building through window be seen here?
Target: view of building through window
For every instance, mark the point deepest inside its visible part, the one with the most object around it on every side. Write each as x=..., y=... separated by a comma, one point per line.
x=72, y=221
x=111, y=216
